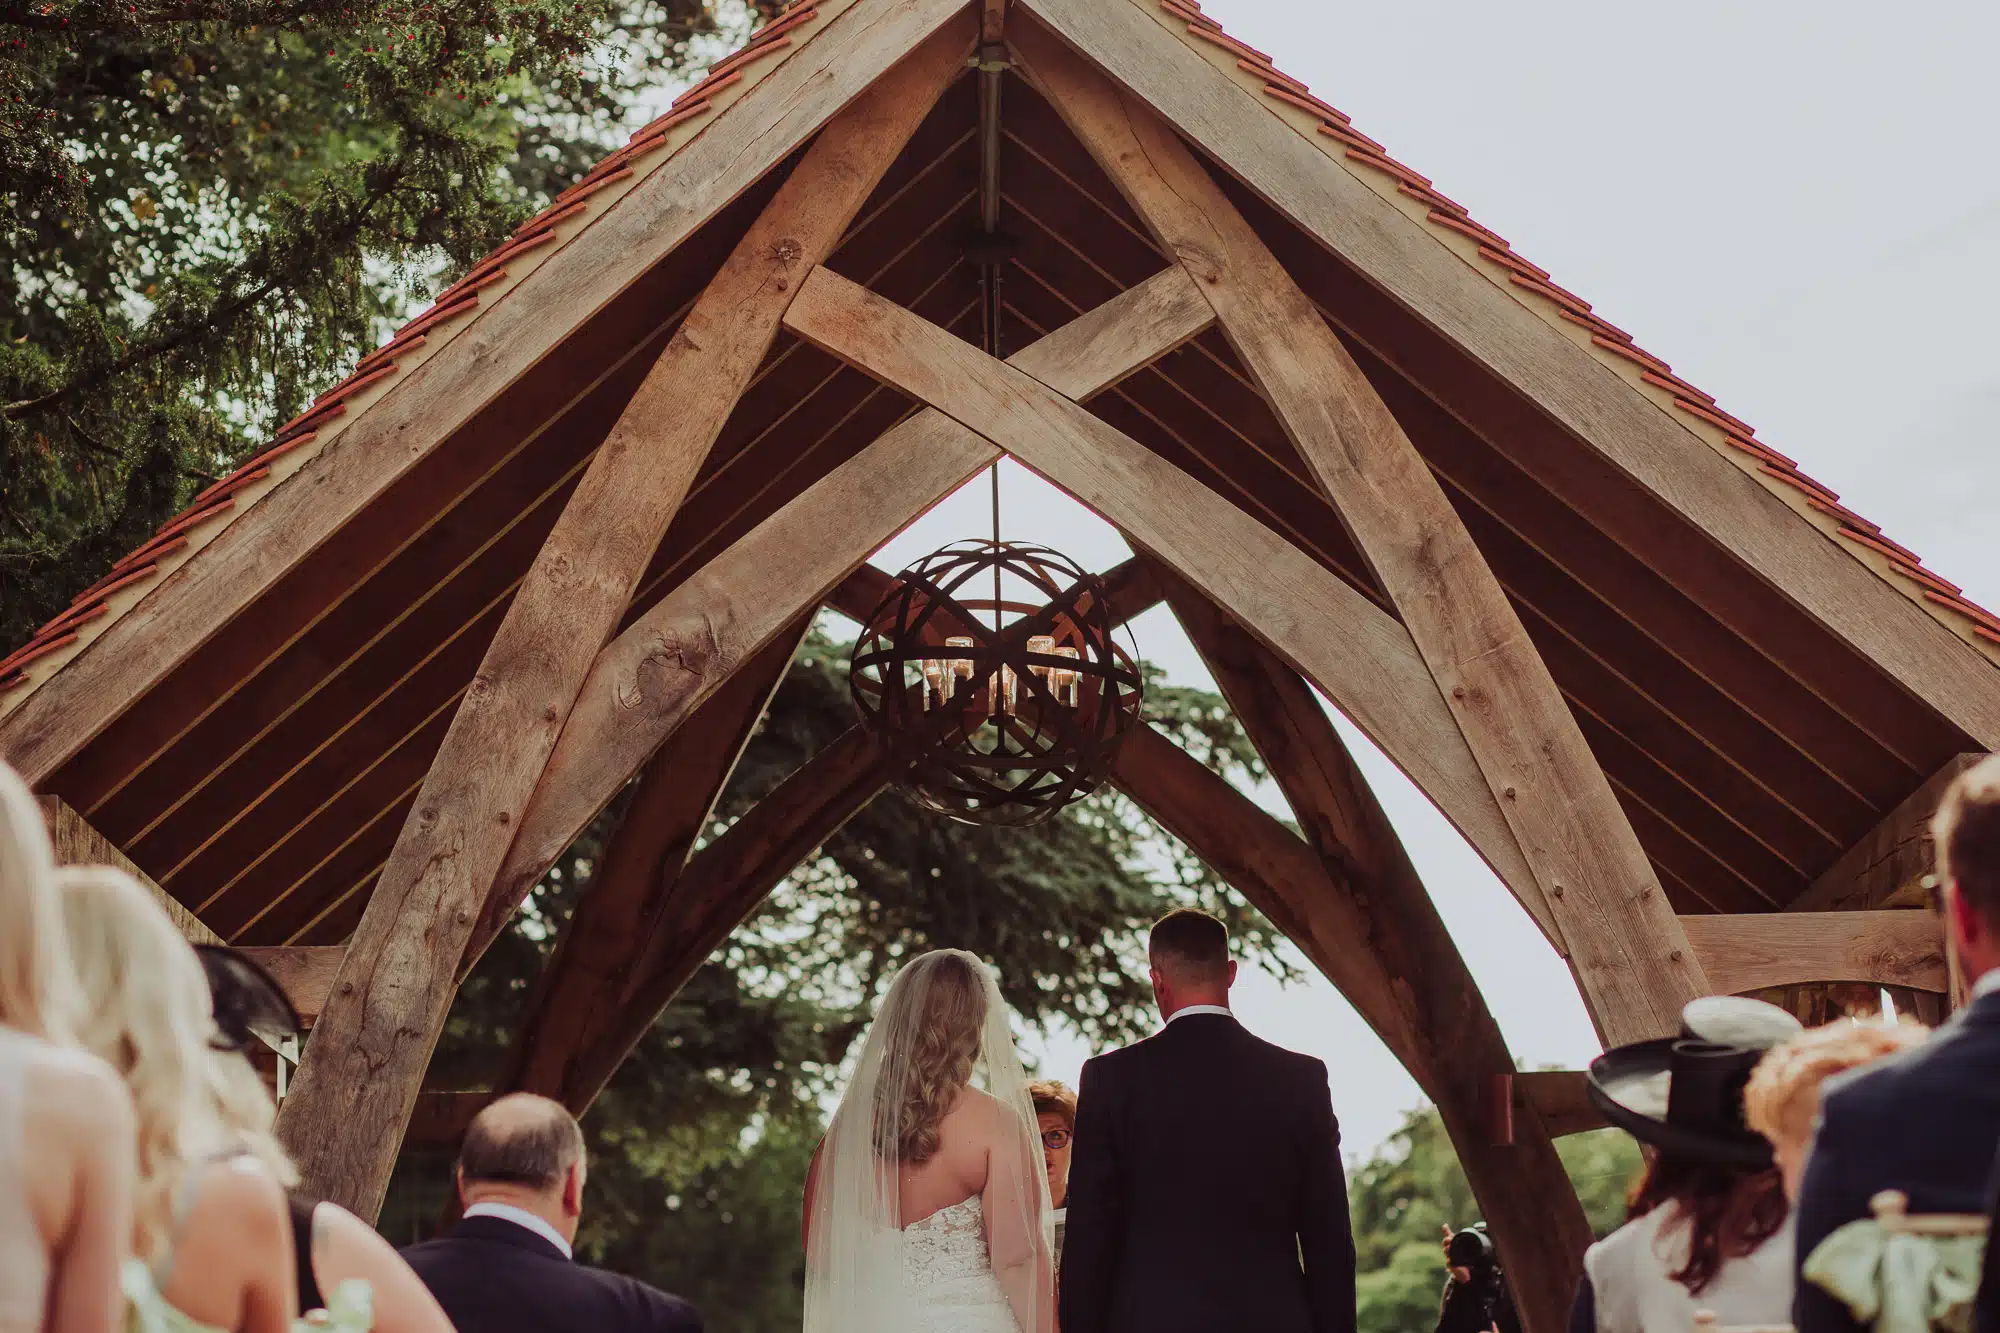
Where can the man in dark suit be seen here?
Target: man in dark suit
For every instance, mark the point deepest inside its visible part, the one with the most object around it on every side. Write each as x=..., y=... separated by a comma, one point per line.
x=506, y=1265
x=1206, y=1191
x=1926, y=1121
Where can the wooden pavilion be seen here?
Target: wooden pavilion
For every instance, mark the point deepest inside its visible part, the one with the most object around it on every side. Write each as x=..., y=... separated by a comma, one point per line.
x=564, y=530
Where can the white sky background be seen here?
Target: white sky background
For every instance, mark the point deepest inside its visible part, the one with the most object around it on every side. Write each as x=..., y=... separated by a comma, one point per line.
x=1796, y=205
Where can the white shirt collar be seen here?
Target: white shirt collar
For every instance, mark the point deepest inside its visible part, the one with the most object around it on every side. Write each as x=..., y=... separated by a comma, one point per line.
x=1185, y=1010
x=521, y=1217
x=1987, y=984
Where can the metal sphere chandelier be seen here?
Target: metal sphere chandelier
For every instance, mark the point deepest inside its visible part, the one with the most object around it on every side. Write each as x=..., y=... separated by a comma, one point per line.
x=1005, y=710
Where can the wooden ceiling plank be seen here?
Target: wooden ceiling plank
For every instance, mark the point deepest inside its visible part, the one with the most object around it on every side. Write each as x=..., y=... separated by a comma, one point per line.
x=726, y=609
x=1624, y=944
x=353, y=1096
x=273, y=673
x=419, y=411
x=1357, y=653
x=1421, y=273
x=1887, y=866
x=1749, y=951
x=1523, y=1190
x=1634, y=589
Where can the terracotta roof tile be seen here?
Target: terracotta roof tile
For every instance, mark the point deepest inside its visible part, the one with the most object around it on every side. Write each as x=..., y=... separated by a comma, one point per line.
x=1769, y=465
x=301, y=437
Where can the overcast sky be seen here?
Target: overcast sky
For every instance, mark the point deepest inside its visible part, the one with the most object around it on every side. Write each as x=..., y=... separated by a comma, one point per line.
x=1798, y=206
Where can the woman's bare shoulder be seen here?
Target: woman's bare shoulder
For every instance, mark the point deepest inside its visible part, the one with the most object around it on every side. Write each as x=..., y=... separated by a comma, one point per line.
x=243, y=1190
x=78, y=1092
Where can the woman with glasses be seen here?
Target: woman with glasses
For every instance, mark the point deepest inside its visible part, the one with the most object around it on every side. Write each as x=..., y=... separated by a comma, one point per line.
x=1055, y=1115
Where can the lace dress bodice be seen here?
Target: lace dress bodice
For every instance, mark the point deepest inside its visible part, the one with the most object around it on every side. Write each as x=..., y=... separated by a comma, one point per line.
x=948, y=1273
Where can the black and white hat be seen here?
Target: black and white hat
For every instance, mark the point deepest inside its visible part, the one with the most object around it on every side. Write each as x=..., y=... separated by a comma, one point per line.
x=1684, y=1095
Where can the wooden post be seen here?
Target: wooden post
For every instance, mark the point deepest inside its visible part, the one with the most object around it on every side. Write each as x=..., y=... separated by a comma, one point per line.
x=1457, y=1048
x=355, y=1090
x=1625, y=945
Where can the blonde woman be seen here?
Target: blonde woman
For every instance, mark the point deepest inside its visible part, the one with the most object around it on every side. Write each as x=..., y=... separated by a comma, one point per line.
x=1781, y=1101
x=927, y=1206
x=65, y=1121
x=343, y=1266
x=209, y=1223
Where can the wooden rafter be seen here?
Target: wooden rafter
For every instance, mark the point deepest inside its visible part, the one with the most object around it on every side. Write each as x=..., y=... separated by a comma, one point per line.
x=646, y=680
x=1522, y=1188
x=1422, y=274
x=1353, y=650
x=419, y=413
x=633, y=881
x=1887, y=867
x=1624, y=943
x=1750, y=951
x=354, y=1095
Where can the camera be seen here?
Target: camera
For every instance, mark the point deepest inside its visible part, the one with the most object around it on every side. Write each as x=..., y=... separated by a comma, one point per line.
x=1476, y=1299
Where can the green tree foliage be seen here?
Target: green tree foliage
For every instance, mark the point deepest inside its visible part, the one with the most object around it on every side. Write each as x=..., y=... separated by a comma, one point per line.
x=1413, y=1187
x=699, y=1143
x=210, y=209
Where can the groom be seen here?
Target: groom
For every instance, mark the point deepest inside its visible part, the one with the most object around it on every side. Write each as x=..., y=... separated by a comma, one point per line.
x=1206, y=1191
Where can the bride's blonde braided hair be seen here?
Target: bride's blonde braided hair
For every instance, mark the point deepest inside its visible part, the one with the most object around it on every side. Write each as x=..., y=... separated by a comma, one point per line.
x=946, y=1022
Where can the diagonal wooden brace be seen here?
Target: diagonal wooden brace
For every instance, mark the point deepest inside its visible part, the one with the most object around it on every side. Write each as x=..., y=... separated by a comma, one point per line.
x=1359, y=655
x=371, y=1046
x=1625, y=944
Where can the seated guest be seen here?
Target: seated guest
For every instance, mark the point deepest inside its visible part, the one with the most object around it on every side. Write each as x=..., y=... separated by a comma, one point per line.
x=66, y=1130
x=1924, y=1121
x=210, y=1223
x=344, y=1268
x=507, y=1264
x=1709, y=1222
x=1781, y=1101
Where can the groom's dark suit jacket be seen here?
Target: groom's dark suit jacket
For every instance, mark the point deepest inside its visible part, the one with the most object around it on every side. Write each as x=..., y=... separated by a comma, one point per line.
x=1206, y=1191
x=492, y=1274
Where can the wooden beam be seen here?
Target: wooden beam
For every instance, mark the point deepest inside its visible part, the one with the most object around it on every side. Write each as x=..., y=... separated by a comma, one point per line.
x=722, y=885
x=305, y=972
x=668, y=661
x=306, y=975
x=1522, y=1188
x=1748, y=951
x=421, y=410
x=347, y=1110
x=1550, y=367
x=440, y=1118
x=670, y=939
x=631, y=885
x=1888, y=866
x=1358, y=654
x=1559, y=1098
x=1623, y=941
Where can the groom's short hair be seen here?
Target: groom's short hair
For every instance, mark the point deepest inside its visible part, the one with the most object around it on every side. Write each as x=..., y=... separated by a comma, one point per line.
x=1190, y=946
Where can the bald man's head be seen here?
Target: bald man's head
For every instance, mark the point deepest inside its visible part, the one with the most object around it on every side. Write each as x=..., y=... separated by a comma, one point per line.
x=521, y=1140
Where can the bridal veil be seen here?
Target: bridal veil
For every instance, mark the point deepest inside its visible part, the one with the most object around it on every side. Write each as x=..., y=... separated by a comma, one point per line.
x=855, y=1276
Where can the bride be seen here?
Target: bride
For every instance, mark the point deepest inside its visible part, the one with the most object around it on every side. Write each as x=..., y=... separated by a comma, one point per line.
x=927, y=1207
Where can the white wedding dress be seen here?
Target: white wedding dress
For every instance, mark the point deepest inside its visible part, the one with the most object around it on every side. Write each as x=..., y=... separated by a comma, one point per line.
x=948, y=1275
x=981, y=1265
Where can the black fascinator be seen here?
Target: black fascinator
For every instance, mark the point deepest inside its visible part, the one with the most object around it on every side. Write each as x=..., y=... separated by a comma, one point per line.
x=251, y=1008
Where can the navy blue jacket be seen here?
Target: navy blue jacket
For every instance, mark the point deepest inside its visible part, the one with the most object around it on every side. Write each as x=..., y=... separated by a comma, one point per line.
x=1206, y=1192
x=1925, y=1121
x=493, y=1275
